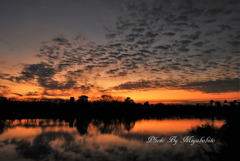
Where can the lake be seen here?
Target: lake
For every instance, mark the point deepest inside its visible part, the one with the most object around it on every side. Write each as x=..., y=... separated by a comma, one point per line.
x=103, y=140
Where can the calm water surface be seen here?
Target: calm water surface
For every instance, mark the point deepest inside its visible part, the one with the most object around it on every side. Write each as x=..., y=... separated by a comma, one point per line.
x=46, y=139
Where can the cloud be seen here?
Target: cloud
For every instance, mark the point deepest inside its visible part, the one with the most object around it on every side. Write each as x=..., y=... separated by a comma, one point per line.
x=163, y=47
x=217, y=86
x=41, y=71
x=2, y=86
x=112, y=71
x=169, y=34
x=138, y=30
x=234, y=43
x=9, y=77
x=193, y=36
x=182, y=39
x=110, y=35
x=215, y=11
x=44, y=74
x=18, y=94
x=62, y=145
x=35, y=93
x=138, y=85
x=60, y=40
x=198, y=44
x=42, y=146
x=85, y=88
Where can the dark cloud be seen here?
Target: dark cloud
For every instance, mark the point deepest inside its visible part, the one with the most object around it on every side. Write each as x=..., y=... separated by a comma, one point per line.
x=43, y=73
x=125, y=146
x=184, y=39
x=8, y=77
x=234, y=43
x=145, y=42
x=193, y=36
x=217, y=86
x=215, y=11
x=123, y=73
x=84, y=88
x=138, y=29
x=198, y=44
x=2, y=86
x=163, y=47
x=35, y=93
x=40, y=148
x=150, y=34
x=110, y=35
x=185, y=43
x=183, y=49
x=112, y=71
x=18, y=94
x=139, y=85
x=209, y=51
x=3, y=75
x=169, y=34
x=62, y=41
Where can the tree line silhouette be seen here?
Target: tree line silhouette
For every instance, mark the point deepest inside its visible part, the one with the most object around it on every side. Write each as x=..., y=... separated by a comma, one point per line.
x=110, y=107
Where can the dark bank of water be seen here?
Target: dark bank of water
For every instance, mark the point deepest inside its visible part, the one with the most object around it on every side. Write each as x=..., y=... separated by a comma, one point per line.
x=55, y=139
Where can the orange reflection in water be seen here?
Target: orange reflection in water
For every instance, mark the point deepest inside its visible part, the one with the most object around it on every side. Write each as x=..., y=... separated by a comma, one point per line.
x=170, y=126
x=37, y=123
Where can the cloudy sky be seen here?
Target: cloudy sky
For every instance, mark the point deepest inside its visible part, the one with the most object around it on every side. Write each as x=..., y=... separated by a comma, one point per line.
x=156, y=50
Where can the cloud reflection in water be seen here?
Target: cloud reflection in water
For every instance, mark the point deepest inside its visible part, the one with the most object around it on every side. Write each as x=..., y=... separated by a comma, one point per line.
x=103, y=141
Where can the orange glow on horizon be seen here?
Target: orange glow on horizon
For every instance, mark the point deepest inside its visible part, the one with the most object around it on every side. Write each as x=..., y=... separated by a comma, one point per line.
x=153, y=96
x=177, y=96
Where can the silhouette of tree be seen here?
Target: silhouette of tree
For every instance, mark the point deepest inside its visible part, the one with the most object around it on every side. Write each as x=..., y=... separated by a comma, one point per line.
x=12, y=99
x=83, y=99
x=72, y=100
x=233, y=103
x=3, y=99
x=146, y=104
x=211, y=102
x=129, y=100
x=218, y=103
x=82, y=126
x=225, y=102
x=2, y=122
x=129, y=125
x=106, y=98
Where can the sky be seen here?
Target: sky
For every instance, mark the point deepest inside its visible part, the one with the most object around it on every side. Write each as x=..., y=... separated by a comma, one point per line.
x=150, y=50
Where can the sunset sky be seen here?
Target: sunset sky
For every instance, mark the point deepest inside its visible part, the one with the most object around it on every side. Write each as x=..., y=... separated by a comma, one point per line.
x=157, y=50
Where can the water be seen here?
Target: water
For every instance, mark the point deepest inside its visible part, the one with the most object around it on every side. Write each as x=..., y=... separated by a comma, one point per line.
x=91, y=140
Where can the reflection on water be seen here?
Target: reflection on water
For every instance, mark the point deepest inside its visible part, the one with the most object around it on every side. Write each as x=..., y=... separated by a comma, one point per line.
x=46, y=139
x=168, y=126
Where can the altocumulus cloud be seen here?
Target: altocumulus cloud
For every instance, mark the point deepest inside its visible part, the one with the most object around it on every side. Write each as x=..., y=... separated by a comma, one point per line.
x=152, y=41
x=214, y=86
x=217, y=86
